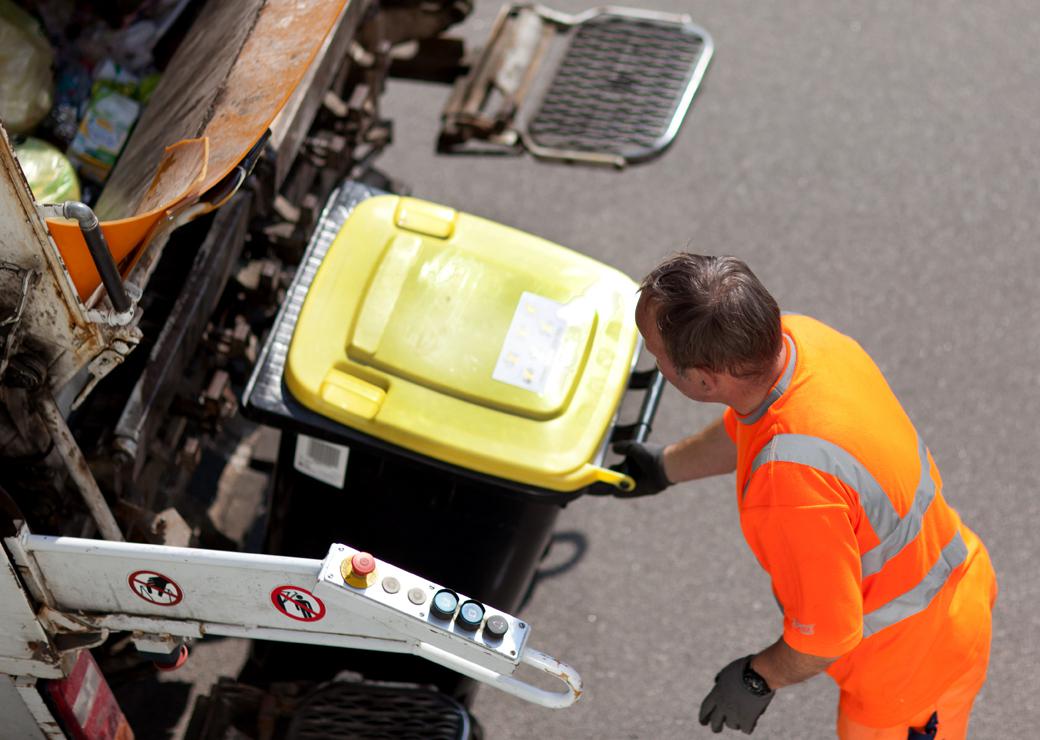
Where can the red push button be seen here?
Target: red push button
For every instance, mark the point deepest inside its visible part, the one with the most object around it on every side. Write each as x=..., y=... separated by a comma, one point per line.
x=359, y=570
x=362, y=563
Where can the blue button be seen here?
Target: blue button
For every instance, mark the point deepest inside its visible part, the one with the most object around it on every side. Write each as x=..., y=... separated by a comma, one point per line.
x=471, y=615
x=444, y=603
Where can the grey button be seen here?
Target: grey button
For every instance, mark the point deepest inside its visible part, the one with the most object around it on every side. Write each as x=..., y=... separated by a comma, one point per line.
x=416, y=596
x=496, y=627
x=391, y=585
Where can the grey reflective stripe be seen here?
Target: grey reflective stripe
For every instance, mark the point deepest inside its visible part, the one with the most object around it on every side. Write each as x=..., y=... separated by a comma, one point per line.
x=827, y=457
x=920, y=596
x=893, y=531
x=778, y=389
x=892, y=542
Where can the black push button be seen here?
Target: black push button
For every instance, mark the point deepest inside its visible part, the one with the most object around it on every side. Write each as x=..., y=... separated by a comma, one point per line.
x=496, y=627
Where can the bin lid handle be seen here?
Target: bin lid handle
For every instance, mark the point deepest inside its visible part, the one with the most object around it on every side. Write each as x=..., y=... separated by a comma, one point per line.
x=614, y=478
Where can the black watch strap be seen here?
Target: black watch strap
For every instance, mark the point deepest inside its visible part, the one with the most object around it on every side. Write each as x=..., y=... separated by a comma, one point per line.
x=754, y=682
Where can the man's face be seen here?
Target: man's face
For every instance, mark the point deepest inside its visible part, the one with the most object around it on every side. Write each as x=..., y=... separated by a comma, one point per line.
x=693, y=383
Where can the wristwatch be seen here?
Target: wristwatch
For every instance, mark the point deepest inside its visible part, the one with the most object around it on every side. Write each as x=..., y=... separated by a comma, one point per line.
x=753, y=682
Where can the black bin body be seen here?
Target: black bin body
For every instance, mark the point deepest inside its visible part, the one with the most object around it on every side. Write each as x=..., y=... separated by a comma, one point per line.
x=480, y=539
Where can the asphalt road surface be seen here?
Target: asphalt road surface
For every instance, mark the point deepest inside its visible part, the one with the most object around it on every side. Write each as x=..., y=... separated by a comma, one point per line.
x=876, y=165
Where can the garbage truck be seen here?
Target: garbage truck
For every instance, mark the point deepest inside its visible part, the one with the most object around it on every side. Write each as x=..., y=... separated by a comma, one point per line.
x=250, y=388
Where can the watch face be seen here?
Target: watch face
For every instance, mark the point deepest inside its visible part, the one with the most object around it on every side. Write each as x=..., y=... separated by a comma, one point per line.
x=754, y=682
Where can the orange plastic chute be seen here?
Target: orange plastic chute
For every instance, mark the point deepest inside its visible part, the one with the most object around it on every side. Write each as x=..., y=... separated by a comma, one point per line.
x=268, y=68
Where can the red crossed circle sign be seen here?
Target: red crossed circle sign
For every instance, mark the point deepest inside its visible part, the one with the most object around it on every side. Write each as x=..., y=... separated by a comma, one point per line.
x=155, y=588
x=298, y=603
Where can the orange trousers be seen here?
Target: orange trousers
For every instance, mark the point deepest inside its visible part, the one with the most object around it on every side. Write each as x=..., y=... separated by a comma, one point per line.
x=953, y=708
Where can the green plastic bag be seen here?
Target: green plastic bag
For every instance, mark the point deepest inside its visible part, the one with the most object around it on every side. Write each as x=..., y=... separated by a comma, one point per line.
x=49, y=172
x=26, y=81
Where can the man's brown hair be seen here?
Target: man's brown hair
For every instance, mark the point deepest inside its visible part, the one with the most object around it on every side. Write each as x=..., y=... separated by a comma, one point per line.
x=713, y=314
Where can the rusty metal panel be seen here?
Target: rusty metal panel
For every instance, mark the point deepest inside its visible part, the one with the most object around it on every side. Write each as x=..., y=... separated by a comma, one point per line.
x=289, y=129
x=182, y=104
x=53, y=323
x=25, y=648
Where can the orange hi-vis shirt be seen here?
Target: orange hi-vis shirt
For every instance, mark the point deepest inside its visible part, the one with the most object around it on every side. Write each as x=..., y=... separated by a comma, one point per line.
x=842, y=504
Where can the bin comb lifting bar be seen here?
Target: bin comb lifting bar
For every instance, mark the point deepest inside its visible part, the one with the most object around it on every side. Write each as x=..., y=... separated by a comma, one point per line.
x=609, y=86
x=155, y=590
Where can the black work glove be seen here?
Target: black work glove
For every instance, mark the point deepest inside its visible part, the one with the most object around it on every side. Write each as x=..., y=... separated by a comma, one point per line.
x=644, y=463
x=731, y=703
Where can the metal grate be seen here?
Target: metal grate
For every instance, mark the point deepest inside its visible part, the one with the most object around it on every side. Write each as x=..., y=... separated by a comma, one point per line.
x=622, y=88
x=375, y=712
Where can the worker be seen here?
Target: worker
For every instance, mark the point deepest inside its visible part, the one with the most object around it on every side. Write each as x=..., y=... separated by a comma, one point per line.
x=880, y=583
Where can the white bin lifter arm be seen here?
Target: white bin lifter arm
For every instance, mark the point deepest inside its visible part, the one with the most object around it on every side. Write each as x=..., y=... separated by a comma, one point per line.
x=349, y=599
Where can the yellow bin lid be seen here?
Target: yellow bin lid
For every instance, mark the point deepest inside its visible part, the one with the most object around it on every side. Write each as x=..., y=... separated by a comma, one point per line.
x=466, y=341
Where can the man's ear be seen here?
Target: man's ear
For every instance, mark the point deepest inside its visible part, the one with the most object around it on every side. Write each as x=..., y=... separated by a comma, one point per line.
x=710, y=382
x=703, y=380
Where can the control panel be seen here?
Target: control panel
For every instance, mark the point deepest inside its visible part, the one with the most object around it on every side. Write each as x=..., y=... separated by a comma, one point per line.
x=425, y=611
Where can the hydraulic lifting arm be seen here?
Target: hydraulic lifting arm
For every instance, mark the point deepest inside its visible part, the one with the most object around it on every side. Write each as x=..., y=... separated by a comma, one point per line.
x=166, y=595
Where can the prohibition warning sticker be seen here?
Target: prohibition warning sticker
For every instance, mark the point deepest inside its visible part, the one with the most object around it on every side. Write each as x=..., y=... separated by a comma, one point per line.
x=155, y=588
x=298, y=603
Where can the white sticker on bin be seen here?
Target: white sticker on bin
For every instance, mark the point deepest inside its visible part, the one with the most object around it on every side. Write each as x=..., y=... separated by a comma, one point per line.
x=322, y=460
x=532, y=343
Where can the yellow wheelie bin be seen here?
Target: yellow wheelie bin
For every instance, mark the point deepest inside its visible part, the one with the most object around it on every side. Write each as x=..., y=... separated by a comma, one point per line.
x=444, y=384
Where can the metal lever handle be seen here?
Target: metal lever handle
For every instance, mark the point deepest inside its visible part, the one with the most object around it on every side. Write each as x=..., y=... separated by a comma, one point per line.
x=652, y=381
x=514, y=686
